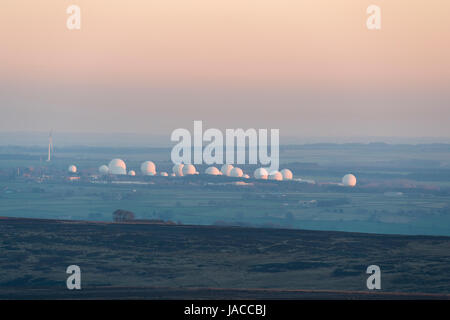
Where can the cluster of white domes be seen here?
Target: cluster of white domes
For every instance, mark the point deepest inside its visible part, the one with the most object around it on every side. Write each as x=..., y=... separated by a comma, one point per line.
x=180, y=170
x=263, y=174
x=148, y=168
x=227, y=170
x=118, y=167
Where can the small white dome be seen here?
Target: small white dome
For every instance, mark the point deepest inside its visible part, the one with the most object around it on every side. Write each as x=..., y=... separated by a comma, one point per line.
x=246, y=176
x=236, y=172
x=189, y=169
x=213, y=171
x=226, y=169
x=103, y=169
x=131, y=173
x=164, y=174
x=349, y=180
x=287, y=174
x=261, y=173
x=148, y=168
x=178, y=170
x=72, y=169
x=276, y=175
x=117, y=166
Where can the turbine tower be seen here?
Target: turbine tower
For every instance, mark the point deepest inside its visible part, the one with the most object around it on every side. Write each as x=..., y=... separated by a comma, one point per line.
x=50, y=147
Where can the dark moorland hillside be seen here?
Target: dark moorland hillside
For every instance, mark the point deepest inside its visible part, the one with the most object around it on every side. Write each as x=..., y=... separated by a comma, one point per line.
x=125, y=260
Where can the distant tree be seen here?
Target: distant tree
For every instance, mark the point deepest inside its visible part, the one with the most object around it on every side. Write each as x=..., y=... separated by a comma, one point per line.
x=122, y=215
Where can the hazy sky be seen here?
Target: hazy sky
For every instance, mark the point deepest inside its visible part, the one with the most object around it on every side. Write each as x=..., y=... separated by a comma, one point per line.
x=309, y=68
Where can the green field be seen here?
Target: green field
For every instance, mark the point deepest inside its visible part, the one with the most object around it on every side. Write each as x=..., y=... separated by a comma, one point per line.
x=421, y=173
x=197, y=204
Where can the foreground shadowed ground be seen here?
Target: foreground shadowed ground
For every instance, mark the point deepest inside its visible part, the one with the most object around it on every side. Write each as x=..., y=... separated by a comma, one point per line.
x=165, y=261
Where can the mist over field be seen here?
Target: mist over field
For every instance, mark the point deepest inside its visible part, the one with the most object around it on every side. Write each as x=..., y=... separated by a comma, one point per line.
x=96, y=139
x=400, y=188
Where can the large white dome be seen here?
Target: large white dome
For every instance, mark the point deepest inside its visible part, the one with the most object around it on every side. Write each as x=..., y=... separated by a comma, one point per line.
x=226, y=169
x=103, y=169
x=189, y=169
x=148, y=168
x=213, y=171
x=287, y=174
x=261, y=173
x=236, y=172
x=276, y=175
x=72, y=169
x=349, y=180
x=117, y=166
x=178, y=170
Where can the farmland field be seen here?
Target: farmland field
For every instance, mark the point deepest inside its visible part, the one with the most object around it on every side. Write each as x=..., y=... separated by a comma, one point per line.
x=401, y=189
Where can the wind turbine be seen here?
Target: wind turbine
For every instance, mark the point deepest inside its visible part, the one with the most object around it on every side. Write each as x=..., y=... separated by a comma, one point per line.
x=50, y=146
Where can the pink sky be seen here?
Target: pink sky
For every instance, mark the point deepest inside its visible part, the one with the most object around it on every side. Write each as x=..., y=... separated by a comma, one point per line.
x=306, y=67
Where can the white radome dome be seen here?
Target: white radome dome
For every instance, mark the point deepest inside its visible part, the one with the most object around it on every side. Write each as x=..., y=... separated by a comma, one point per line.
x=349, y=180
x=236, y=172
x=287, y=174
x=226, y=169
x=148, y=168
x=188, y=169
x=261, y=173
x=117, y=166
x=178, y=170
x=163, y=174
x=103, y=169
x=173, y=175
x=213, y=171
x=246, y=176
x=131, y=173
x=72, y=169
x=276, y=175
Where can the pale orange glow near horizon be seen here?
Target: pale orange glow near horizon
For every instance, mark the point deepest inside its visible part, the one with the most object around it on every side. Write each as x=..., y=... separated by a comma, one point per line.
x=314, y=49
